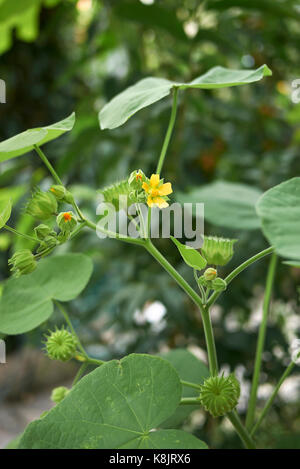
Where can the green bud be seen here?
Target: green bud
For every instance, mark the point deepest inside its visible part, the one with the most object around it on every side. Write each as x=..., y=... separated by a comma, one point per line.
x=217, y=251
x=42, y=231
x=210, y=274
x=42, y=205
x=22, y=262
x=48, y=244
x=58, y=191
x=61, y=345
x=58, y=394
x=218, y=284
x=220, y=395
x=66, y=222
x=136, y=179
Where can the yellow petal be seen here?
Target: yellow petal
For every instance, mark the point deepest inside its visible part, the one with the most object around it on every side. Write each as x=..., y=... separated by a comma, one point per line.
x=160, y=202
x=150, y=201
x=165, y=189
x=145, y=186
x=154, y=180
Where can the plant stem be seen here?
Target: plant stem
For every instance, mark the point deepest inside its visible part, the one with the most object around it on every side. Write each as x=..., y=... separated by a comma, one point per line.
x=68, y=321
x=190, y=401
x=261, y=342
x=241, y=430
x=12, y=230
x=79, y=373
x=48, y=164
x=190, y=385
x=210, y=342
x=110, y=234
x=272, y=397
x=169, y=132
x=240, y=269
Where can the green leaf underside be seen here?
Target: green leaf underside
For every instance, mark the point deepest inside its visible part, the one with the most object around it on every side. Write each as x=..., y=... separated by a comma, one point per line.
x=150, y=90
x=279, y=211
x=26, y=302
x=24, y=142
x=115, y=406
x=189, y=369
x=5, y=211
x=190, y=256
x=226, y=204
x=292, y=263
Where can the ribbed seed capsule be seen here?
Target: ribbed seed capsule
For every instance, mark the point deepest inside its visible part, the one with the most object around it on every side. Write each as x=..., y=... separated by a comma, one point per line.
x=61, y=345
x=219, y=395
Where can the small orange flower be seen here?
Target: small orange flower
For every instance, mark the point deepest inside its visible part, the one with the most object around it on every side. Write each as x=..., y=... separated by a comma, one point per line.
x=157, y=191
x=67, y=216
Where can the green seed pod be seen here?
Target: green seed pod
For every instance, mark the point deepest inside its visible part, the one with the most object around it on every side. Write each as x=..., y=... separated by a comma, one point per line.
x=58, y=394
x=220, y=395
x=217, y=251
x=66, y=222
x=117, y=194
x=42, y=205
x=61, y=345
x=22, y=262
x=218, y=284
x=210, y=274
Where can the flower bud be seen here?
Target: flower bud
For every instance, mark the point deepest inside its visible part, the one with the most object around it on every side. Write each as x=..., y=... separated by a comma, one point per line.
x=218, y=284
x=58, y=191
x=210, y=274
x=42, y=231
x=220, y=395
x=58, y=394
x=61, y=345
x=217, y=251
x=66, y=222
x=136, y=179
x=48, y=244
x=22, y=262
x=42, y=205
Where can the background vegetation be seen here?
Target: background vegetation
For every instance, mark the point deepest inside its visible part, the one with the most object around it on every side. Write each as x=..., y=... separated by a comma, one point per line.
x=60, y=56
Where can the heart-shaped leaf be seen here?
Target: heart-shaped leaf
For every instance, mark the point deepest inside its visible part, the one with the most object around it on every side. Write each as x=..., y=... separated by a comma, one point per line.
x=5, y=211
x=226, y=204
x=24, y=142
x=149, y=90
x=189, y=369
x=26, y=302
x=115, y=406
x=279, y=211
x=190, y=256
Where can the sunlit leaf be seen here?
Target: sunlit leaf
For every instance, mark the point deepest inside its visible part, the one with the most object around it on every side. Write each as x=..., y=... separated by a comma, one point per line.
x=190, y=256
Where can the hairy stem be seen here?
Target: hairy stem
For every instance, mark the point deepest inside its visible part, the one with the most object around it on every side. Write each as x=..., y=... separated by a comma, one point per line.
x=241, y=430
x=48, y=165
x=261, y=342
x=12, y=230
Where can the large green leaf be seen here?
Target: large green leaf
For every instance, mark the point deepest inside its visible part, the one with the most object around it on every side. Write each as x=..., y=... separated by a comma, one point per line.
x=279, y=211
x=5, y=211
x=149, y=90
x=115, y=406
x=189, y=369
x=26, y=302
x=226, y=204
x=190, y=256
x=23, y=142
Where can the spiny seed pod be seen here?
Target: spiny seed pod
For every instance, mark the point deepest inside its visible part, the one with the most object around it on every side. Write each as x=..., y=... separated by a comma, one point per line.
x=217, y=251
x=58, y=394
x=210, y=274
x=117, y=194
x=42, y=205
x=220, y=395
x=66, y=221
x=22, y=262
x=61, y=345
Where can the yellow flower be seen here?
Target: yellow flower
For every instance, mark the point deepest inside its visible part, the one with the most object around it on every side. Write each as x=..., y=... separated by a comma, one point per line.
x=157, y=191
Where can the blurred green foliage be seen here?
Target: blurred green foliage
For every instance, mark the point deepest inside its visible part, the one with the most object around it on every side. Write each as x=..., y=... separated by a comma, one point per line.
x=77, y=55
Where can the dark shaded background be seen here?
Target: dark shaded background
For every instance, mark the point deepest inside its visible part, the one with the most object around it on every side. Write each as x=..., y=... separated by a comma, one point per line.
x=60, y=56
